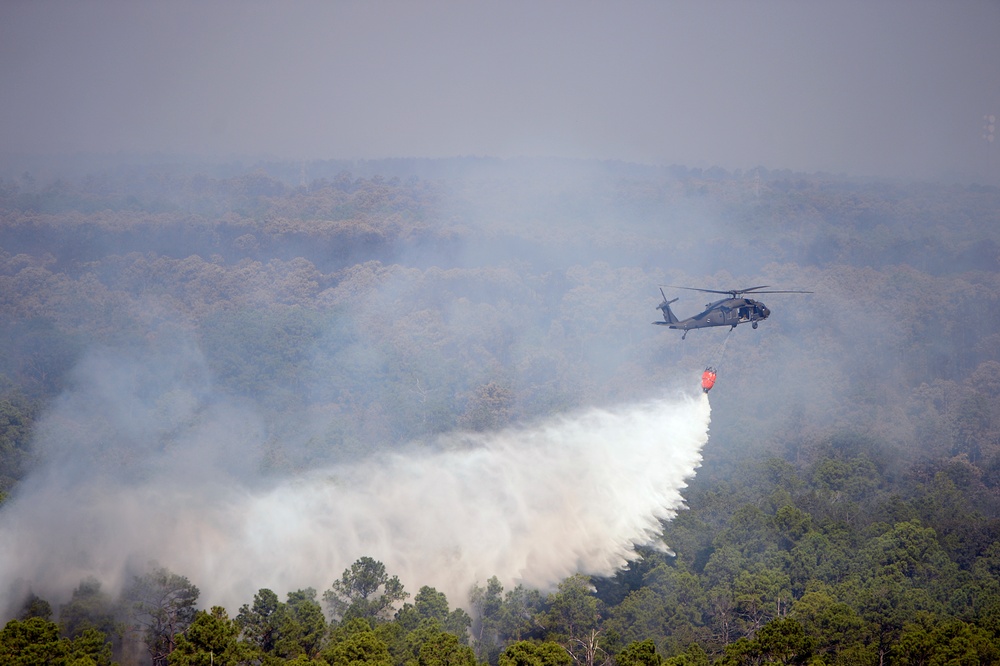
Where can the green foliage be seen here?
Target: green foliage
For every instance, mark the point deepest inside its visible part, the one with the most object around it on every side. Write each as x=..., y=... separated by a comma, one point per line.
x=910, y=554
x=951, y=642
x=162, y=607
x=487, y=604
x=692, y=656
x=303, y=627
x=283, y=630
x=35, y=606
x=212, y=638
x=677, y=608
x=639, y=653
x=365, y=591
x=444, y=649
x=833, y=626
x=429, y=604
x=792, y=523
x=89, y=608
x=781, y=641
x=36, y=641
x=260, y=624
x=17, y=417
x=528, y=653
x=501, y=618
x=642, y=614
x=573, y=611
x=357, y=645
x=759, y=594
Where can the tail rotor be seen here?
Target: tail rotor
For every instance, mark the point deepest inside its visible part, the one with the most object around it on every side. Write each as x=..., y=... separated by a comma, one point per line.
x=668, y=316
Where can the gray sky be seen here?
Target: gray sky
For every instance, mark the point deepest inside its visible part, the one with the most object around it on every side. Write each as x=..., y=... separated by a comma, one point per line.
x=867, y=88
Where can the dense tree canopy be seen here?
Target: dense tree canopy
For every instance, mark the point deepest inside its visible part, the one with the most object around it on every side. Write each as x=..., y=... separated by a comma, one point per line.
x=848, y=507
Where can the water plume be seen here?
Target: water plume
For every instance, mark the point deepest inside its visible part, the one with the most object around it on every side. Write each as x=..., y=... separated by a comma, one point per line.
x=530, y=504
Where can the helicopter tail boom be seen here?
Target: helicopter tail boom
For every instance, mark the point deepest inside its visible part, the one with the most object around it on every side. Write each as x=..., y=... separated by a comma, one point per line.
x=668, y=316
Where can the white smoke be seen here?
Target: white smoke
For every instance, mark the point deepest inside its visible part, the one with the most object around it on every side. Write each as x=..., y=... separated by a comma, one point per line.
x=530, y=505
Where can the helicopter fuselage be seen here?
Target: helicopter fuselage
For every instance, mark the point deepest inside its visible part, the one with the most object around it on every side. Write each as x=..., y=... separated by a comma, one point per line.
x=725, y=312
x=731, y=311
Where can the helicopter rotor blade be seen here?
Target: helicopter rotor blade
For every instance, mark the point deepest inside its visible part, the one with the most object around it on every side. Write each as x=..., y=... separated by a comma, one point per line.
x=784, y=291
x=735, y=292
x=710, y=291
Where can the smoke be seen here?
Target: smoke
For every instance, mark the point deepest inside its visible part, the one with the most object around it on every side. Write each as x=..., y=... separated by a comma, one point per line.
x=144, y=464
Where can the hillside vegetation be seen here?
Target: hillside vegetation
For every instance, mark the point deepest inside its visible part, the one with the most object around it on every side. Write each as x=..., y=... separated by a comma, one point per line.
x=848, y=507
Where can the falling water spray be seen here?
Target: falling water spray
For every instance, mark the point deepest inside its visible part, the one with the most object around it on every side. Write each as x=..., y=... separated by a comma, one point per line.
x=530, y=504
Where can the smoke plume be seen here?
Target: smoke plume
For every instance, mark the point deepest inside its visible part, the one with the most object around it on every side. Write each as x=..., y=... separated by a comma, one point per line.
x=142, y=468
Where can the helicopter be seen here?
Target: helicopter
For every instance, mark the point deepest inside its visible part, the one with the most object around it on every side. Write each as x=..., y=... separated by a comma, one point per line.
x=731, y=311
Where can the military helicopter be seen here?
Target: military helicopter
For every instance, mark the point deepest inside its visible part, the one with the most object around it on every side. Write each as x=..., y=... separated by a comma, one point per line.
x=730, y=311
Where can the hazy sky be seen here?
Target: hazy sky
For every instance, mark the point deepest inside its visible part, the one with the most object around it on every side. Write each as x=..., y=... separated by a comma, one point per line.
x=867, y=88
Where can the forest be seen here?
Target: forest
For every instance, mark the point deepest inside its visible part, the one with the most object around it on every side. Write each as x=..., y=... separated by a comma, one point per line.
x=187, y=344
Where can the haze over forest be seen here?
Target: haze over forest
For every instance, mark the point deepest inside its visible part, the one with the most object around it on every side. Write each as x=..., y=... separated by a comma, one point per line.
x=448, y=365
x=326, y=333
